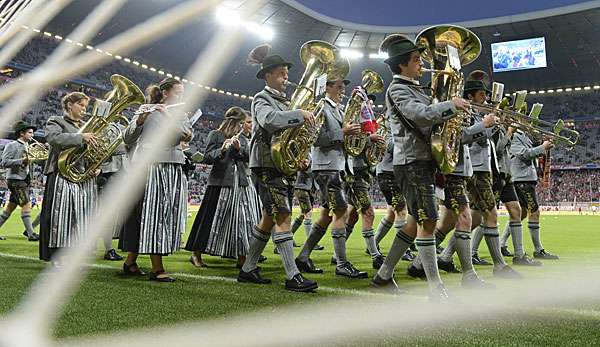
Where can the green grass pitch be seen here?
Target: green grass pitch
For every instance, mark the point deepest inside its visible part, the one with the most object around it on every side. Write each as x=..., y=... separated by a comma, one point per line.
x=108, y=303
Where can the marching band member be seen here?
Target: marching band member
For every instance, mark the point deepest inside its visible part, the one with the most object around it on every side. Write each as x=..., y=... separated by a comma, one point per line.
x=228, y=213
x=522, y=166
x=18, y=177
x=271, y=114
x=411, y=116
x=456, y=213
x=114, y=164
x=328, y=163
x=358, y=184
x=394, y=197
x=504, y=190
x=304, y=191
x=67, y=206
x=481, y=195
x=156, y=223
x=479, y=186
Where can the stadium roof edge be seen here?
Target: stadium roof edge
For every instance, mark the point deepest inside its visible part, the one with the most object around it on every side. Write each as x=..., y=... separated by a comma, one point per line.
x=416, y=29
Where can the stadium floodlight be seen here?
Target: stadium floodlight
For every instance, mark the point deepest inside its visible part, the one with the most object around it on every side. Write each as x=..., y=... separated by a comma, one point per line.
x=351, y=53
x=559, y=90
x=227, y=16
x=379, y=55
x=596, y=87
x=542, y=92
x=533, y=92
x=587, y=88
x=577, y=88
x=550, y=91
x=568, y=89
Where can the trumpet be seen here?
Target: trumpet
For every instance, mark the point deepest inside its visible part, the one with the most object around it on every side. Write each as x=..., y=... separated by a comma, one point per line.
x=148, y=108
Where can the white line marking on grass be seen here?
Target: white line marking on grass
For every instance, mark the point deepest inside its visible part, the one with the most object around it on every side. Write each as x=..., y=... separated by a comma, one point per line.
x=354, y=292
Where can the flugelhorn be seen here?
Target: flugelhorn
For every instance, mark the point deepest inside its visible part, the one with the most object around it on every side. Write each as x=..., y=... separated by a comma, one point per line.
x=36, y=151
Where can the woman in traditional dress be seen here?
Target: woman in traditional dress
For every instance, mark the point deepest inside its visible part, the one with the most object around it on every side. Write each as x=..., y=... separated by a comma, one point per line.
x=67, y=205
x=156, y=224
x=230, y=206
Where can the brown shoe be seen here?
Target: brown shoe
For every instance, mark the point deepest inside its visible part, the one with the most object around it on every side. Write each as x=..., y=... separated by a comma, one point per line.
x=197, y=262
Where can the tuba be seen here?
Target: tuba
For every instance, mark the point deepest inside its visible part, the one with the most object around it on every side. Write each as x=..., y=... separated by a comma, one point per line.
x=80, y=164
x=291, y=146
x=447, y=48
x=36, y=151
x=371, y=83
x=375, y=151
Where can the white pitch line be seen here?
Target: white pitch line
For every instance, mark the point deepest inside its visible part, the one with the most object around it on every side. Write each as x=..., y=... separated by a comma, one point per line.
x=354, y=292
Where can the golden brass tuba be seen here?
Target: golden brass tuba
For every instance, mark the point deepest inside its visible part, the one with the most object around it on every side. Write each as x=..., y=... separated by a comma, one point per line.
x=80, y=164
x=447, y=49
x=36, y=151
x=372, y=83
x=291, y=146
x=375, y=151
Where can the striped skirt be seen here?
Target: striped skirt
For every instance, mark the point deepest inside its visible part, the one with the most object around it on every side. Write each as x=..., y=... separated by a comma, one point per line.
x=237, y=212
x=157, y=222
x=66, y=212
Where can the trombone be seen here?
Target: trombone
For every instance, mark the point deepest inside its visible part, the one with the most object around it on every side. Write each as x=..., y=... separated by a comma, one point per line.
x=515, y=117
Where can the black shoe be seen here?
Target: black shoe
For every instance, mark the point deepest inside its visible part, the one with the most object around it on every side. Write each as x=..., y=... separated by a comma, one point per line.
x=439, y=294
x=526, y=261
x=388, y=286
x=166, y=279
x=2, y=238
x=36, y=237
x=300, y=284
x=474, y=282
x=413, y=272
x=252, y=277
x=275, y=251
x=308, y=266
x=318, y=248
x=367, y=251
x=333, y=261
x=262, y=258
x=348, y=270
x=447, y=266
x=506, y=272
x=412, y=247
x=505, y=252
x=479, y=261
x=542, y=254
x=378, y=261
x=439, y=249
x=408, y=256
x=112, y=255
x=127, y=270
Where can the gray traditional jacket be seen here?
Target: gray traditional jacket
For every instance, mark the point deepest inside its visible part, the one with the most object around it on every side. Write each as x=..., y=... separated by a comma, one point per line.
x=270, y=114
x=328, y=151
x=503, y=151
x=470, y=134
x=523, y=157
x=140, y=137
x=481, y=150
x=12, y=159
x=224, y=163
x=61, y=134
x=415, y=106
x=118, y=160
x=387, y=163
